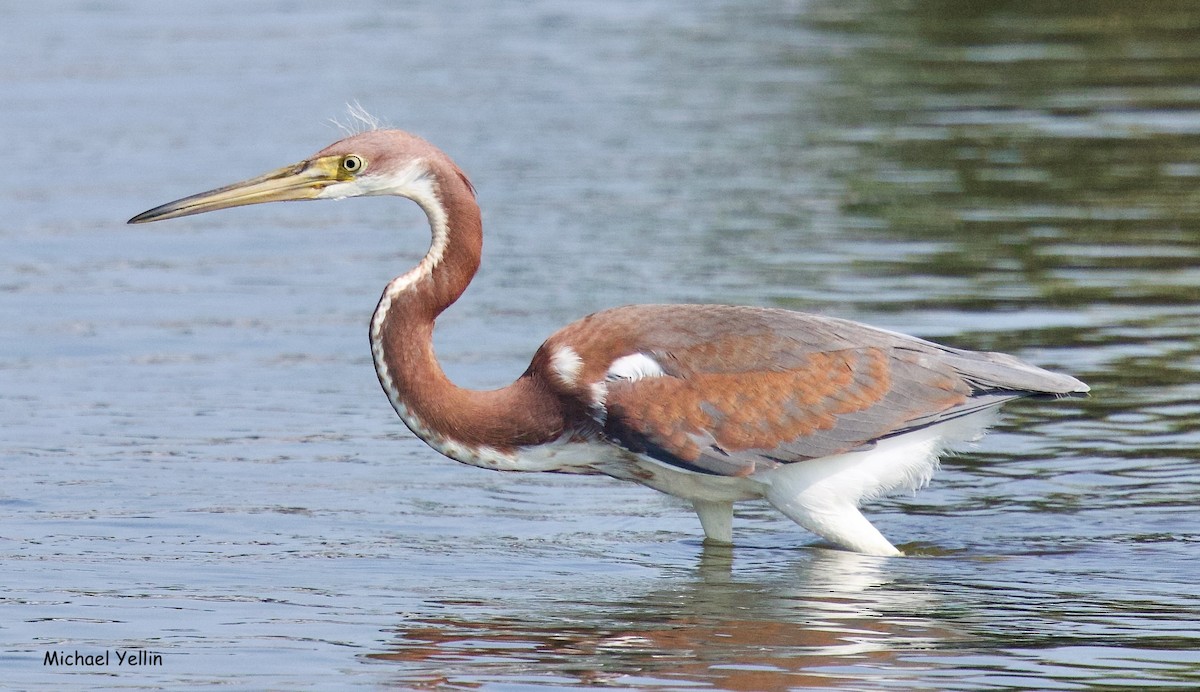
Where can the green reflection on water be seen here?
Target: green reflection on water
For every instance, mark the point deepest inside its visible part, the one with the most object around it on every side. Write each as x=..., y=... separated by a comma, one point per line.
x=1051, y=147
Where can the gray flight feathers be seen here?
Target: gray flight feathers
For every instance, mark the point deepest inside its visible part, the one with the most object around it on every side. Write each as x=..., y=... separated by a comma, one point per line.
x=983, y=371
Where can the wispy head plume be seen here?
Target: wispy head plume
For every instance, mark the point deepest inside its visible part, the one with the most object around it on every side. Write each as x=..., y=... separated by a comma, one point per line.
x=358, y=120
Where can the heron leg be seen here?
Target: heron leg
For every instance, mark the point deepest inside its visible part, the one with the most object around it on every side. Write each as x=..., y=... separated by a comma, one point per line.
x=717, y=520
x=839, y=523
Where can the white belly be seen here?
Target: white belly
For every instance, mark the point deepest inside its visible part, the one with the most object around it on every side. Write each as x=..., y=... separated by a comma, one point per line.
x=903, y=462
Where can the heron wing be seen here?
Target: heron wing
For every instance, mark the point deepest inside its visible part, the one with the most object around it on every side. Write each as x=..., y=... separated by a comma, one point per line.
x=743, y=389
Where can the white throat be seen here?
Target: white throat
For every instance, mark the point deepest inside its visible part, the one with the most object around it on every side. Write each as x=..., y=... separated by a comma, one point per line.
x=417, y=183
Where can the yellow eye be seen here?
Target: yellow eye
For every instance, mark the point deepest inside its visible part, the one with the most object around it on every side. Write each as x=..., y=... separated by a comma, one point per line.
x=352, y=164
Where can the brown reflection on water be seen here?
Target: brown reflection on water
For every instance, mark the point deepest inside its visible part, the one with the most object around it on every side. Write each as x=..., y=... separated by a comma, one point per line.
x=801, y=628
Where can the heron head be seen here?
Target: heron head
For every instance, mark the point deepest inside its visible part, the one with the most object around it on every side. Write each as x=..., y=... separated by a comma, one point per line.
x=378, y=162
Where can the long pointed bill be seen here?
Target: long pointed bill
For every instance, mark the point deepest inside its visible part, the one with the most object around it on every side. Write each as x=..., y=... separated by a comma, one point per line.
x=303, y=180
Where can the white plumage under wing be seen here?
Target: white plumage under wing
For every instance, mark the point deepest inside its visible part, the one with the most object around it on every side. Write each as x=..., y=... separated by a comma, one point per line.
x=823, y=495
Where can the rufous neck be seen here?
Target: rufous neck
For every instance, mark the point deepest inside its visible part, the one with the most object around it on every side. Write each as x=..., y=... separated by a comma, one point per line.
x=455, y=248
x=476, y=427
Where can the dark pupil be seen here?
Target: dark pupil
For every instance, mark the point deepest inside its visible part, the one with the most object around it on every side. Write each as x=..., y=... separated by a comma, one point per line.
x=351, y=164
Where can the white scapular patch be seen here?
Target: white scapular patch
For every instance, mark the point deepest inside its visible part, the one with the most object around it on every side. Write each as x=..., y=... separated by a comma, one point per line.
x=634, y=366
x=566, y=364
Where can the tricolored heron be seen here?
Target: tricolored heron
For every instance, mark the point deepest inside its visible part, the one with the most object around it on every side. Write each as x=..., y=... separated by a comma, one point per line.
x=711, y=403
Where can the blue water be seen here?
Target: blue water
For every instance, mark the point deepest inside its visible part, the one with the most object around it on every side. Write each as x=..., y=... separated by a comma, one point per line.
x=197, y=460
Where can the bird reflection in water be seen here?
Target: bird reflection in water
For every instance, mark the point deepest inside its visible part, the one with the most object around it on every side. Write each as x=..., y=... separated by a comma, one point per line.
x=800, y=626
